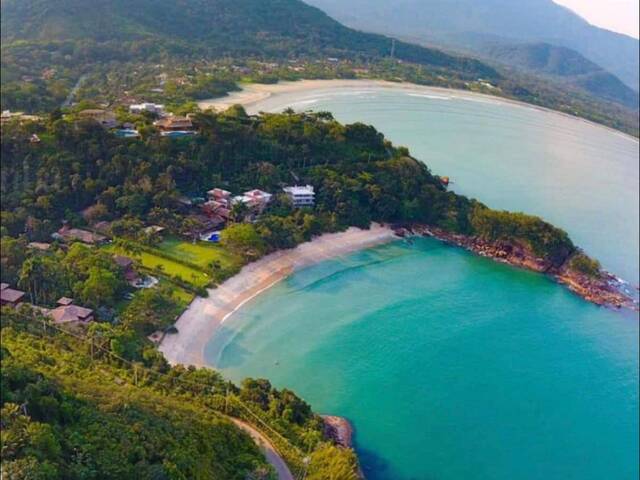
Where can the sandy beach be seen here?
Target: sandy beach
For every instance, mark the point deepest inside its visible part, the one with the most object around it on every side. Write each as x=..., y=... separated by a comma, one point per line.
x=197, y=325
x=252, y=94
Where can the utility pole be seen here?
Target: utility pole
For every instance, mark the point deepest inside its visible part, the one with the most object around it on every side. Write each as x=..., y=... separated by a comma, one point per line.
x=393, y=47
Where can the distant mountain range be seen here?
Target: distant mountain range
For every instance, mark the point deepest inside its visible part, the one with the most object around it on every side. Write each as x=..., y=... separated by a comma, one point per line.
x=48, y=45
x=565, y=66
x=479, y=25
x=281, y=29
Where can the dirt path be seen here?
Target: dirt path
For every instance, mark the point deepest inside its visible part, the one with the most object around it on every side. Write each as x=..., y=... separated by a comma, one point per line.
x=268, y=449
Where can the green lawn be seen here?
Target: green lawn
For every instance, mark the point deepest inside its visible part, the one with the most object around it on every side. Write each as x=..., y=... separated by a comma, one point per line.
x=198, y=258
x=150, y=261
x=200, y=253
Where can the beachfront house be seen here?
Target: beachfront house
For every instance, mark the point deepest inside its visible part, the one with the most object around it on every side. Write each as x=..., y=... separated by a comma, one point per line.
x=10, y=297
x=154, y=108
x=301, y=196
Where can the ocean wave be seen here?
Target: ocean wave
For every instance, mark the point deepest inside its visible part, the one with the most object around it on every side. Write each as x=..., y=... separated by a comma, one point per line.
x=431, y=97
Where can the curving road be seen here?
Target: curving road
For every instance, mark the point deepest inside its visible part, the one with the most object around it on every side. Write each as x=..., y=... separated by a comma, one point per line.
x=267, y=448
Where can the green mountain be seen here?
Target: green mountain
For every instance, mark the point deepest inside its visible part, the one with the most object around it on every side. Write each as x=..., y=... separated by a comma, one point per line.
x=111, y=52
x=125, y=30
x=473, y=24
x=564, y=65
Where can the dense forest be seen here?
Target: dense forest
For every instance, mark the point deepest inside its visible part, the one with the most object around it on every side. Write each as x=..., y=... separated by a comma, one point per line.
x=359, y=176
x=80, y=173
x=74, y=408
x=114, y=52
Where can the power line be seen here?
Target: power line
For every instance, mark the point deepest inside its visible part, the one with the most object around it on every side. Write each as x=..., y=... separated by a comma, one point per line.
x=136, y=366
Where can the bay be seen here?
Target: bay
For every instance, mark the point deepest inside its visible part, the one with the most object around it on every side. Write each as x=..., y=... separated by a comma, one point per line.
x=449, y=365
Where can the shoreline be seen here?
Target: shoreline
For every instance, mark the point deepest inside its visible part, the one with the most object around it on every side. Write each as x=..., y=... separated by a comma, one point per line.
x=254, y=93
x=198, y=324
x=602, y=291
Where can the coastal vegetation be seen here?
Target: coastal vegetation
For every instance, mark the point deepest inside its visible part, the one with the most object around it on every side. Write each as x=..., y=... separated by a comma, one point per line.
x=359, y=177
x=75, y=407
x=81, y=174
x=168, y=52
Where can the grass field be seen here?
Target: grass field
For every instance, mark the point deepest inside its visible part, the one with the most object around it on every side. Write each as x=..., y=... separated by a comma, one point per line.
x=199, y=253
x=197, y=258
x=197, y=278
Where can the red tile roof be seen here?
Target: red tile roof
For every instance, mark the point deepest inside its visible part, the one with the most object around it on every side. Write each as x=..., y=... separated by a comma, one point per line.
x=9, y=295
x=70, y=313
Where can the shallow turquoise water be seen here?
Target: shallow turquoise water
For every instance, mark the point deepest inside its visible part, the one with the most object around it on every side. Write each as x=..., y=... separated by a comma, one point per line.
x=452, y=366
x=579, y=176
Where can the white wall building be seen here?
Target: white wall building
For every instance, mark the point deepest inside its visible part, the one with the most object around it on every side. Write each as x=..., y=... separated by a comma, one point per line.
x=301, y=196
x=147, y=107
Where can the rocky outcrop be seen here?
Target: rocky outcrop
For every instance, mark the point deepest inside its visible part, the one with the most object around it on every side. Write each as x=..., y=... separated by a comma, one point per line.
x=339, y=430
x=603, y=289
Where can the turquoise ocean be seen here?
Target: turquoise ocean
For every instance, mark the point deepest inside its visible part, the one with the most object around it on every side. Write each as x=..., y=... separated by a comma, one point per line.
x=449, y=365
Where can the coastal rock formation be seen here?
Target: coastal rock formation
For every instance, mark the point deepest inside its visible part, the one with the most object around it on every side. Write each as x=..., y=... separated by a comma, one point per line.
x=603, y=289
x=339, y=430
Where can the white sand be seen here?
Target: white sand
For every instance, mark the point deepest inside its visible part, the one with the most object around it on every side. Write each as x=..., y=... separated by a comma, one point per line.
x=252, y=94
x=198, y=324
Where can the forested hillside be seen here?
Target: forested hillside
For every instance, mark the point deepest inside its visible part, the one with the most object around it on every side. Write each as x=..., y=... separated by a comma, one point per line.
x=73, y=37
x=475, y=24
x=58, y=52
x=74, y=408
x=566, y=66
x=359, y=177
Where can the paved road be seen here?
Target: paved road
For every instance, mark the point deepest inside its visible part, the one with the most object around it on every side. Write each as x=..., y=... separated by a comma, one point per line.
x=267, y=448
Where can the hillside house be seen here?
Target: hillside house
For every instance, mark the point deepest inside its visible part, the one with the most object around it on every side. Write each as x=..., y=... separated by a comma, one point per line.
x=68, y=234
x=68, y=313
x=301, y=196
x=256, y=200
x=7, y=115
x=105, y=118
x=10, y=297
x=219, y=195
x=127, y=266
x=154, y=108
x=169, y=126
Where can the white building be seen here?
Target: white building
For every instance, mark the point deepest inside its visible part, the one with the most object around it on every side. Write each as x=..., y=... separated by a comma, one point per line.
x=147, y=107
x=301, y=196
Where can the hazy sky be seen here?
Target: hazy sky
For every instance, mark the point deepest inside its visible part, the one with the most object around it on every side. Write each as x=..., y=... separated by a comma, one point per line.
x=617, y=15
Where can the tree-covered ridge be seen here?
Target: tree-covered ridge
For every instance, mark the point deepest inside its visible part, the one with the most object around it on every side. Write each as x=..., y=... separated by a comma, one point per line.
x=215, y=28
x=66, y=422
x=74, y=408
x=49, y=45
x=122, y=52
x=359, y=177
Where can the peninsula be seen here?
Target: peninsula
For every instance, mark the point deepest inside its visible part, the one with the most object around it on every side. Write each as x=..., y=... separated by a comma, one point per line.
x=150, y=220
